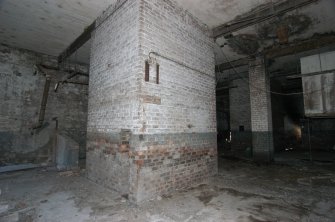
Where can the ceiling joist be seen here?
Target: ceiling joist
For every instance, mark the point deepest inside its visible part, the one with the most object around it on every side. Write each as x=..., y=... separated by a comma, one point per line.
x=232, y=64
x=300, y=46
x=261, y=15
x=77, y=43
x=86, y=35
x=276, y=51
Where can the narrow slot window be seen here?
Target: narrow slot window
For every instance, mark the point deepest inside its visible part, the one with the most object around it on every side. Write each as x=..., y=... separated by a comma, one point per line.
x=157, y=73
x=146, y=76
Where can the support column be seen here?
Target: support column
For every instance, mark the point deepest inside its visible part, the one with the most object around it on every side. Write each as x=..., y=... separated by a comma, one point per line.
x=261, y=115
x=151, y=122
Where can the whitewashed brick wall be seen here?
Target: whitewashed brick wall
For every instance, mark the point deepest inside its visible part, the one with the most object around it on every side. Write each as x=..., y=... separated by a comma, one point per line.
x=187, y=97
x=173, y=124
x=261, y=114
x=260, y=98
x=113, y=91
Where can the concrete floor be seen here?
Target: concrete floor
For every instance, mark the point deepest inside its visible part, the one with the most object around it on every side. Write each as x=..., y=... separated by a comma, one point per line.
x=241, y=192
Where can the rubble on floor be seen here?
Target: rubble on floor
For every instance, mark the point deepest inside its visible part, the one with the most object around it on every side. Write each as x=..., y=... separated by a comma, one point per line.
x=241, y=192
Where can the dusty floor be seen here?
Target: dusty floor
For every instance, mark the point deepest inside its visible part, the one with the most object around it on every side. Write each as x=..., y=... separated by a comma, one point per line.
x=241, y=192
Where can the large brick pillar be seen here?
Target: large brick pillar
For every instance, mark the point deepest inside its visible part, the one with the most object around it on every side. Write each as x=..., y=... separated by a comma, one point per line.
x=151, y=124
x=261, y=115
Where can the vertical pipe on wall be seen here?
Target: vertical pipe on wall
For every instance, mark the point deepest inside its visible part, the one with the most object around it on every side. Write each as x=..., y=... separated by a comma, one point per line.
x=43, y=103
x=44, y=100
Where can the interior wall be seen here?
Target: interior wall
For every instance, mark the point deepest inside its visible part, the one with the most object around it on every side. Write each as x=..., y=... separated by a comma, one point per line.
x=240, y=117
x=21, y=90
x=322, y=134
x=289, y=118
x=222, y=119
x=291, y=126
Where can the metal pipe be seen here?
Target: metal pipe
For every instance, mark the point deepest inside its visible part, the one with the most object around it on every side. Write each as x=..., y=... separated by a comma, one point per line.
x=225, y=88
x=70, y=82
x=43, y=103
x=77, y=83
x=310, y=74
x=179, y=63
x=66, y=70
